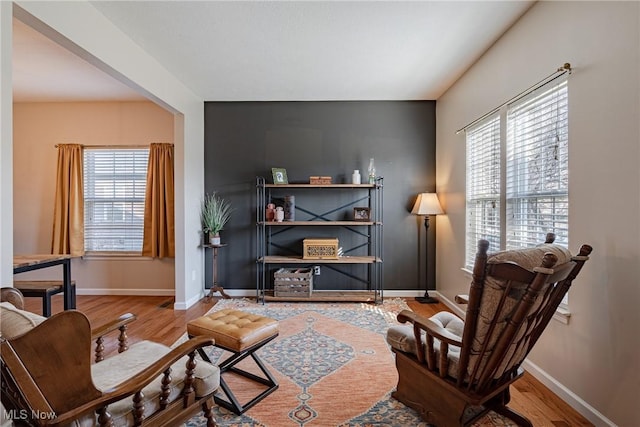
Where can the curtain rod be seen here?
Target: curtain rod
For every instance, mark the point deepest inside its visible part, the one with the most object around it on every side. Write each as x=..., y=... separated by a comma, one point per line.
x=111, y=146
x=566, y=68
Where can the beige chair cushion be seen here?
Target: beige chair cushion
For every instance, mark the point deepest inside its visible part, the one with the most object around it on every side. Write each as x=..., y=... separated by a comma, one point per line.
x=401, y=338
x=119, y=368
x=528, y=259
x=14, y=322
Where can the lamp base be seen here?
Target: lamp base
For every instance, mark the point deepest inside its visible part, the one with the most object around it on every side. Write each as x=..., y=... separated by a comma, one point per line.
x=427, y=300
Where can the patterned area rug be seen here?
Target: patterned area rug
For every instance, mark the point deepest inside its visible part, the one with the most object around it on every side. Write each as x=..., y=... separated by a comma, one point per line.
x=333, y=366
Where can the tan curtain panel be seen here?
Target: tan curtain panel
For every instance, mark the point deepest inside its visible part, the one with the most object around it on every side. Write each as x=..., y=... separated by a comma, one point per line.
x=159, y=228
x=68, y=213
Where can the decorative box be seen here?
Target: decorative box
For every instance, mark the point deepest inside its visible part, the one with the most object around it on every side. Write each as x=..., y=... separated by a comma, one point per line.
x=320, y=248
x=320, y=180
x=293, y=282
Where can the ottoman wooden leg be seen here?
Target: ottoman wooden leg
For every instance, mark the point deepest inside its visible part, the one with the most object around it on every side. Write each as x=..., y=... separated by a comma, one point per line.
x=229, y=364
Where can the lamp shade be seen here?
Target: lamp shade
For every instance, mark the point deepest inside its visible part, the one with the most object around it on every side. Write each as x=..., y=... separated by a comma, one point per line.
x=427, y=204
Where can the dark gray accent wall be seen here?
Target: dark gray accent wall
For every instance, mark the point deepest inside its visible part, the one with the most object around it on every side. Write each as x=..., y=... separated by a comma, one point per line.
x=246, y=139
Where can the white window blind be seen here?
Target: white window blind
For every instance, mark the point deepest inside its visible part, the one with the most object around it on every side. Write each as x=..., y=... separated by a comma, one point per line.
x=483, y=186
x=537, y=168
x=114, y=195
x=529, y=173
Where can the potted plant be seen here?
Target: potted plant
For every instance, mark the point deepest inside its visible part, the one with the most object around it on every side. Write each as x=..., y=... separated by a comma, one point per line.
x=215, y=212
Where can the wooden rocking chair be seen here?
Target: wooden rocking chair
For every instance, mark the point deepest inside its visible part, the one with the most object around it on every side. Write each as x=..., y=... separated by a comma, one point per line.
x=452, y=371
x=48, y=378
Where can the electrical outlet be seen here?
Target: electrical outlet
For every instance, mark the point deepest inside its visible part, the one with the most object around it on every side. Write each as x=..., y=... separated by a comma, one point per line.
x=316, y=270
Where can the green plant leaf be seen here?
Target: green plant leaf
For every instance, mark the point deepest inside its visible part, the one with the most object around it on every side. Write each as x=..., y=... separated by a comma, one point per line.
x=215, y=212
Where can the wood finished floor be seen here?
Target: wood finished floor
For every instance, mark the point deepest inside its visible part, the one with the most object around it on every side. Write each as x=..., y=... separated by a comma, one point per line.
x=157, y=321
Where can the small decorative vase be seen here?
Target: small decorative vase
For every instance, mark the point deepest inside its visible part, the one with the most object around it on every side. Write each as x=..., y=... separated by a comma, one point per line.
x=372, y=172
x=355, y=177
x=214, y=239
x=289, y=208
x=270, y=212
x=279, y=214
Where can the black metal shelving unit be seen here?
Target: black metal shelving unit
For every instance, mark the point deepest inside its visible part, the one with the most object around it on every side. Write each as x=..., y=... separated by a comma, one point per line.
x=370, y=195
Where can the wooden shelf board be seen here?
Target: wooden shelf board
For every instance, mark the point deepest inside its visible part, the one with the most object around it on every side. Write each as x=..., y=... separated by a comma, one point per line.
x=276, y=259
x=320, y=185
x=314, y=223
x=339, y=296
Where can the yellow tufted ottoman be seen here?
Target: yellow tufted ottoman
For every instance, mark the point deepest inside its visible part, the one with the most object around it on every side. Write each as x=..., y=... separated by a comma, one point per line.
x=242, y=334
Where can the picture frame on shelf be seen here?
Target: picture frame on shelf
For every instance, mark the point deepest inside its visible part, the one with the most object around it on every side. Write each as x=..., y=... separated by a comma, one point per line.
x=279, y=176
x=362, y=214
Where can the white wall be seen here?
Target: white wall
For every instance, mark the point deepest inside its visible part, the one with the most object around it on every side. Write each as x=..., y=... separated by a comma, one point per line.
x=34, y=169
x=6, y=154
x=593, y=361
x=79, y=27
x=6, y=181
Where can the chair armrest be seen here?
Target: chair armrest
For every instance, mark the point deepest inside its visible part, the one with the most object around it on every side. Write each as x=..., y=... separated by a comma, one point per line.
x=462, y=299
x=120, y=324
x=158, y=367
x=102, y=330
x=427, y=325
x=135, y=384
x=432, y=330
x=13, y=296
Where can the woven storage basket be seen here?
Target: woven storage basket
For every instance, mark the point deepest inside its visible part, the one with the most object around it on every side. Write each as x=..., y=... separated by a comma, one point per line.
x=293, y=282
x=320, y=249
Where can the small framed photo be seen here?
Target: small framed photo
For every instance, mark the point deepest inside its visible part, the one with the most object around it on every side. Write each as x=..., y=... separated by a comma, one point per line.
x=279, y=176
x=362, y=214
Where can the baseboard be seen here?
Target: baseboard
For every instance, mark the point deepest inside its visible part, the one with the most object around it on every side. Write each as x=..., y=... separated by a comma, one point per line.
x=236, y=293
x=455, y=307
x=127, y=291
x=231, y=292
x=142, y=292
x=572, y=399
x=185, y=305
x=557, y=388
x=406, y=294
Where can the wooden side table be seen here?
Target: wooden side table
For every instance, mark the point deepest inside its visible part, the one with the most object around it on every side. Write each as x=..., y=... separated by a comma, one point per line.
x=215, y=287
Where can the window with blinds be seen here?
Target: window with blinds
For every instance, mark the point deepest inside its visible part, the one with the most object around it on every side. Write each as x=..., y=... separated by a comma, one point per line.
x=537, y=192
x=518, y=186
x=114, y=195
x=483, y=186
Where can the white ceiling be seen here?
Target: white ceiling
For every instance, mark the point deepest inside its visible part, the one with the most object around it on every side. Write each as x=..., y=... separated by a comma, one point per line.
x=44, y=71
x=279, y=51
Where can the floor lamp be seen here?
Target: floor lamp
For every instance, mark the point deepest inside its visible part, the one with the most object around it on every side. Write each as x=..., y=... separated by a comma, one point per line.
x=427, y=204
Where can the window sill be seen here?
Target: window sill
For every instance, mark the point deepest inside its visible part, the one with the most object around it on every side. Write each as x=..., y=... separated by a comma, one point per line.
x=115, y=256
x=562, y=314
x=467, y=272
